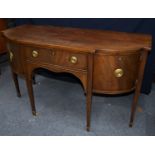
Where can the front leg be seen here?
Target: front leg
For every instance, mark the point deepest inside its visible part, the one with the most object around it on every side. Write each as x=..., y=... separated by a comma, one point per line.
x=30, y=93
x=138, y=86
x=89, y=90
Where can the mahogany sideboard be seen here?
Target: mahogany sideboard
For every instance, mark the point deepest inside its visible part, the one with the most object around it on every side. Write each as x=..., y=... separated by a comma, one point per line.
x=106, y=62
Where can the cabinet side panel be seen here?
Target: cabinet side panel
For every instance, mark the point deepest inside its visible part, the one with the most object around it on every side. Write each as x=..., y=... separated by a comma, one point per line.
x=16, y=57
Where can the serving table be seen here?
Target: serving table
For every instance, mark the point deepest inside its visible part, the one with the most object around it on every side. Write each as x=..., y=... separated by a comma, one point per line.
x=105, y=62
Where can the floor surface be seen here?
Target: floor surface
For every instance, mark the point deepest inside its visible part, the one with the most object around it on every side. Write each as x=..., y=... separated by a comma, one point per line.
x=61, y=110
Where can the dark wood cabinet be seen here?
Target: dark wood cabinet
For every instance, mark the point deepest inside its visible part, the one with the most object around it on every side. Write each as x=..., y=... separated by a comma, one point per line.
x=106, y=62
x=3, y=26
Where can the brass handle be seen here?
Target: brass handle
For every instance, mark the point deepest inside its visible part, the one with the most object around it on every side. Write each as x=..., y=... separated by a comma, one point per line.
x=118, y=72
x=73, y=59
x=10, y=53
x=11, y=56
x=35, y=54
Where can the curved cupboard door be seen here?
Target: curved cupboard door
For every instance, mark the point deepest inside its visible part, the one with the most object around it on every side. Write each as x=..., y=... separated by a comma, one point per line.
x=114, y=74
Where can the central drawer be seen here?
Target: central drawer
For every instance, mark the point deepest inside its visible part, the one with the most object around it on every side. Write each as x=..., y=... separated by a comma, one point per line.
x=60, y=57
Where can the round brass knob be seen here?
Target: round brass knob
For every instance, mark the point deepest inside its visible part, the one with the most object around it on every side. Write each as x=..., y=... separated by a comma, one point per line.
x=35, y=54
x=73, y=59
x=118, y=72
x=11, y=56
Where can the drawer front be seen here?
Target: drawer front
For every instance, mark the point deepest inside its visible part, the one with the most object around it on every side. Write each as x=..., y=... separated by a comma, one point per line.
x=58, y=57
x=115, y=74
x=37, y=54
x=69, y=59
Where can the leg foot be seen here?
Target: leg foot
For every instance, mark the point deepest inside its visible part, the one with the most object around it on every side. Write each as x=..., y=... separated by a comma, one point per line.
x=31, y=96
x=34, y=113
x=88, y=128
x=140, y=109
x=130, y=124
x=18, y=95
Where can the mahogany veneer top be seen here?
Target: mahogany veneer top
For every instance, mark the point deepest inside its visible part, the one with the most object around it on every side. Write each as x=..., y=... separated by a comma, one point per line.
x=82, y=39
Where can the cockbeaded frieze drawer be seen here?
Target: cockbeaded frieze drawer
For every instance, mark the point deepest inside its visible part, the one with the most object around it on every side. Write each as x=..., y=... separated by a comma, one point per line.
x=60, y=57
